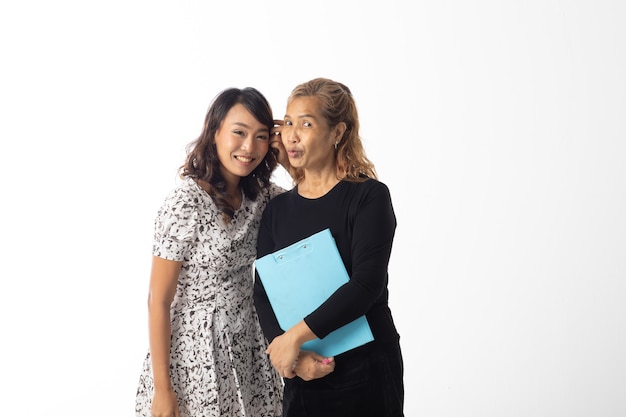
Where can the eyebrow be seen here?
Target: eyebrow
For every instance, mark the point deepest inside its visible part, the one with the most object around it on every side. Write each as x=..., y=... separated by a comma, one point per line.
x=303, y=115
x=242, y=124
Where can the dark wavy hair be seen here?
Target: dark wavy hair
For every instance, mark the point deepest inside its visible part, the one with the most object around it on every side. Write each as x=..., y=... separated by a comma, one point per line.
x=202, y=161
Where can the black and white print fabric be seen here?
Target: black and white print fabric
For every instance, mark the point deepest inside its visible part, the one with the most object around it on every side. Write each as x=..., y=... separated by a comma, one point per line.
x=218, y=365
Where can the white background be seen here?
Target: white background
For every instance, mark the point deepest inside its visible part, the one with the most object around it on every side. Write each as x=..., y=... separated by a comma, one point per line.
x=499, y=127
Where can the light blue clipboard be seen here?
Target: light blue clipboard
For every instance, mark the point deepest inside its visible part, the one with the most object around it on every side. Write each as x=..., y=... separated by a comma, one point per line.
x=299, y=278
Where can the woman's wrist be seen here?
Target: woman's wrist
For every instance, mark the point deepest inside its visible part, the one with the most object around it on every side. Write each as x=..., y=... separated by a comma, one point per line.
x=301, y=333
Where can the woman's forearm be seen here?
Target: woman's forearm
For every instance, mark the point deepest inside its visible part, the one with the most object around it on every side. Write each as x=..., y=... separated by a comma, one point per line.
x=160, y=334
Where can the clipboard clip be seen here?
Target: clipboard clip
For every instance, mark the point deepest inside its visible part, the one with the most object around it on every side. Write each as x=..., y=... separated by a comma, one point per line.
x=293, y=252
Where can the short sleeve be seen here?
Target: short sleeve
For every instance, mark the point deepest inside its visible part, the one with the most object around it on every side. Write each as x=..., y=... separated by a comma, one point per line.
x=175, y=227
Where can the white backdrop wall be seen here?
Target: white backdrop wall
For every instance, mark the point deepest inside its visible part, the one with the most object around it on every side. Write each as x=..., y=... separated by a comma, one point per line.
x=498, y=126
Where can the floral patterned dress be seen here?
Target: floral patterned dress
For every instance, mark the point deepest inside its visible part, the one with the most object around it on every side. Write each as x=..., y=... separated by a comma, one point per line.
x=217, y=362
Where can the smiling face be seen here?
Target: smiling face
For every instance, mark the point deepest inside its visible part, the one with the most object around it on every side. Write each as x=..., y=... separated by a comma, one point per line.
x=242, y=143
x=309, y=141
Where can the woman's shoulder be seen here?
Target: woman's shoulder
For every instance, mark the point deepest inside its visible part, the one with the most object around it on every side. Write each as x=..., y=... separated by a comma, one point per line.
x=272, y=190
x=178, y=214
x=368, y=185
x=275, y=189
x=281, y=198
x=185, y=193
x=366, y=191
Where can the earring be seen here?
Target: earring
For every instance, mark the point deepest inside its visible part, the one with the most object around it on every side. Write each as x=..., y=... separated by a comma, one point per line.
x=336, y=143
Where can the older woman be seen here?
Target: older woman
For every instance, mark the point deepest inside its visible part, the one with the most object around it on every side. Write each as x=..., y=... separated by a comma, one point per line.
x=336, y=187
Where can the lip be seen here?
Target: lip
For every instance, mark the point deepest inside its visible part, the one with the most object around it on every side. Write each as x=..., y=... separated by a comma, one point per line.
x=245, y=159
x=293, y=153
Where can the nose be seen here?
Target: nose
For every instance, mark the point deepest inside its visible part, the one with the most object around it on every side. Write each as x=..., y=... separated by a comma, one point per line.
x=248, y=143
x=289, y=134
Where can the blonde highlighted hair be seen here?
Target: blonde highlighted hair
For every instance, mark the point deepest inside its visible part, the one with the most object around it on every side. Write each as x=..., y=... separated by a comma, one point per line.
x=338, y=105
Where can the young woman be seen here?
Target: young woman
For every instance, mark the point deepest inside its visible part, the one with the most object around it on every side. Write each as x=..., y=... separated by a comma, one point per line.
x=206, y=354
x=336, y=188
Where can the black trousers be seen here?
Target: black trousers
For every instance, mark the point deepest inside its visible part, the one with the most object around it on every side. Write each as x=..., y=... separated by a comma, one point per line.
x=367, y=381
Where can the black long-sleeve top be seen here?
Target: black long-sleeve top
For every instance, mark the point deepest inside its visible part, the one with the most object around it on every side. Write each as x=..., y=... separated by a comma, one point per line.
x=362, y=221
